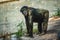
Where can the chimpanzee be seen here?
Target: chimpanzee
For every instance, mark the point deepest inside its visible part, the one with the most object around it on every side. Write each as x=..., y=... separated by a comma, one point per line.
x=40, y=16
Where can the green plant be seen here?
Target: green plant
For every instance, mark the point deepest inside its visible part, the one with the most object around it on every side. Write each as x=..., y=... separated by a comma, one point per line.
x=19, y=33
x=57, y=13
x=35, y=30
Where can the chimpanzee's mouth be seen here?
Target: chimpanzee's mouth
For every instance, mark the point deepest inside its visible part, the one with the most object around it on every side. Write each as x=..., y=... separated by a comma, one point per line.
x=25, y=13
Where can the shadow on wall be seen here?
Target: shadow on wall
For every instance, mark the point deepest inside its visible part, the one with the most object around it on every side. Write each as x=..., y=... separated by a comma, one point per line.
x=7, y=1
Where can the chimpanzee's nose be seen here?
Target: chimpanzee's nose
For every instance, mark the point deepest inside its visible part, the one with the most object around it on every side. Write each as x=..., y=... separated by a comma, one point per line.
x=25, y=13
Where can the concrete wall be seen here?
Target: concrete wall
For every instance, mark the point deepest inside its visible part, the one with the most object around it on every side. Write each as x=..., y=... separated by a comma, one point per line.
x=10, y=17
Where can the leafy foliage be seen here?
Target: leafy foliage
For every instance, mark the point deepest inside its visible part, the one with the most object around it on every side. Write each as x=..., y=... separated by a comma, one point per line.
x=19, y=33
x=35, y=31
x=57, y=13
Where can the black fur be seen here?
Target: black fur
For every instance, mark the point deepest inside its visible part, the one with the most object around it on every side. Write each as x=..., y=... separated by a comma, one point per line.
x=35, y=15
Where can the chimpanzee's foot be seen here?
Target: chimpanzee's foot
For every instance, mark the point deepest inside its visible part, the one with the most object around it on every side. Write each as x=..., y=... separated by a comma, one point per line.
x=31, y=36
x=27, y=35
x=43, y=33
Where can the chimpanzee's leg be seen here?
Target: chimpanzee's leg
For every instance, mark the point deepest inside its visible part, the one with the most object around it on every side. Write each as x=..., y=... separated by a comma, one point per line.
x=45, y=29
x=27, y=25
x=31, y=29
x=40, y=27
x=30, y=26
x=30, y=23
x=45, y=22
x=44, y=25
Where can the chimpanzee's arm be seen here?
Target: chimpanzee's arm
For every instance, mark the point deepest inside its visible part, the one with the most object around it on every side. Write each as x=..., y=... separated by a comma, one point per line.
x=30, y=22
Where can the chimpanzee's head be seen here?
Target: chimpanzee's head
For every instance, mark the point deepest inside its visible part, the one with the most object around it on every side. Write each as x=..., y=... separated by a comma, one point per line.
x=24, y=10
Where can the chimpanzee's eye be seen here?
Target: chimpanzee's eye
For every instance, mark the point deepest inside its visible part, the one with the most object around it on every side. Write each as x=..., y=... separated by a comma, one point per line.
x=24, y=9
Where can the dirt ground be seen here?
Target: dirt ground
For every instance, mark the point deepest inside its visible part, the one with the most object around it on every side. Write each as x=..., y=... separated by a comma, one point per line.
x=53, y=32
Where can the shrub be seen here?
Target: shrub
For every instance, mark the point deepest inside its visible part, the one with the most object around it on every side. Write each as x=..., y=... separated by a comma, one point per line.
x=19, y=33
x=57, y=13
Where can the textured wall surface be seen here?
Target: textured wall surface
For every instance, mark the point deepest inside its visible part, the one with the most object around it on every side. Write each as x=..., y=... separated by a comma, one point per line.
x=10, y=17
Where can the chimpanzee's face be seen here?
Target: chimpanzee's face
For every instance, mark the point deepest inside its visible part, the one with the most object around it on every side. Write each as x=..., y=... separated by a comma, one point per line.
x=24, y=10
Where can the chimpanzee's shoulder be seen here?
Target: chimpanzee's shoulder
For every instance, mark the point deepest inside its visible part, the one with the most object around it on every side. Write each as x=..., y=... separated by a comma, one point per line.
x=38, y=10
